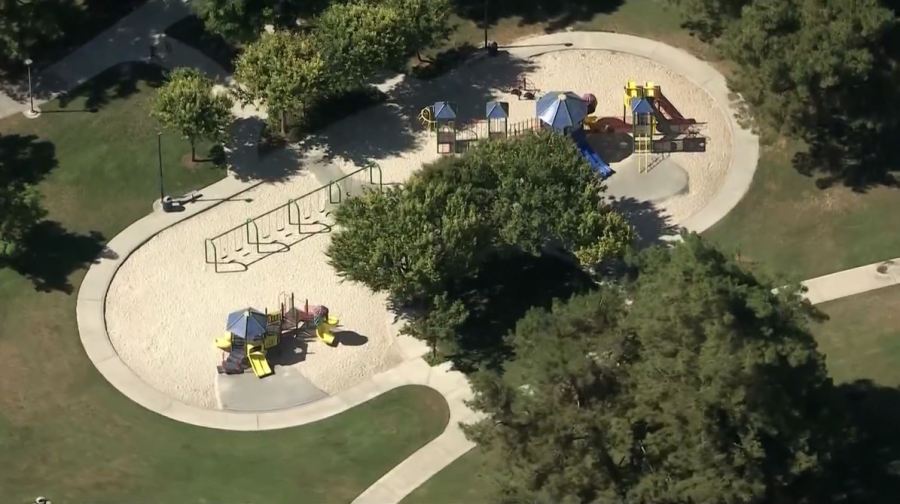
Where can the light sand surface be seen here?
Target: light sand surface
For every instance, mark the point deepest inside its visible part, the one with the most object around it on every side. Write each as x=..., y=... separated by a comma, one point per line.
x=166, y=306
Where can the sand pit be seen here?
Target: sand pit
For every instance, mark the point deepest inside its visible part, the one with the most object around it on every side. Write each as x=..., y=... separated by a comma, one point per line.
x=165, y=306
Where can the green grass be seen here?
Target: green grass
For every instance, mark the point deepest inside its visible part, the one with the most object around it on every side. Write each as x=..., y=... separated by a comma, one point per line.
x=861, y=339
x=787, y=227
x=64, y=431
x=655, y=19
x=464, y=480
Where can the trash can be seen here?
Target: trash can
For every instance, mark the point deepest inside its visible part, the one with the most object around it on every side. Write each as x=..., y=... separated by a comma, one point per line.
x=168, y=204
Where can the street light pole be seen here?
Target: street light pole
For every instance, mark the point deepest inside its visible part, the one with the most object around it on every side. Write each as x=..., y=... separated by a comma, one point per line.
x=162, y=194
x=31, y=113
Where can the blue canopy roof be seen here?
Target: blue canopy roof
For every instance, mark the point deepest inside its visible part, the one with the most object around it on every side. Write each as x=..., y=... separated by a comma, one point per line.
x=444, y=111
x=561, y=110
x=641, y=106
x=496, y=110
x=248, y=324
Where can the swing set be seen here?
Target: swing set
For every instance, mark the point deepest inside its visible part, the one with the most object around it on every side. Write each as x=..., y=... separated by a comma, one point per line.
x=277, y=230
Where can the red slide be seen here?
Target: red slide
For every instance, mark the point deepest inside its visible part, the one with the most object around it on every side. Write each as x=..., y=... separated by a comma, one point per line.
x=669, y=111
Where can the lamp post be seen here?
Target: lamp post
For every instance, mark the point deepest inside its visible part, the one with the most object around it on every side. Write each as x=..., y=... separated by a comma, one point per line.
x=162, y=194
x=31, y=113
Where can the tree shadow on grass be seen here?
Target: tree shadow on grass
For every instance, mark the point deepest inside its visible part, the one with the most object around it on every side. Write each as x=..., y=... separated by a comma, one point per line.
x=53, y=253
x=503, y=291
x=869, y=472
x=25, y=159
x=556, y=13
x=114, y=83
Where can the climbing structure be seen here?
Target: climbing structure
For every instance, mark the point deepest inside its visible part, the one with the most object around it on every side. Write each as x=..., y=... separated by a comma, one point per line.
x=497, y=116
x=444, y=116
x=657, y=126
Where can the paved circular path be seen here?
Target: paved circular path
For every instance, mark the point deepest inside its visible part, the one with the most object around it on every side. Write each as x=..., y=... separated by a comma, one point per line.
x=416, y=469
x=92, y=294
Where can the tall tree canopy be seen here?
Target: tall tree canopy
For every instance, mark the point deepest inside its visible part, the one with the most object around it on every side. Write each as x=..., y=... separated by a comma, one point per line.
x=187, y=103
x=283, y=70
x=802, y=61
x=358, y=38
x=694, y=384
x=525, y=193
x=23, y=23
x=243, y=20
x=19, y=199
x=424, y=243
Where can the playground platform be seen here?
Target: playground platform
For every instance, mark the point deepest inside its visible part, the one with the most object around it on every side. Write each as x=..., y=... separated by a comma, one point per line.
x=665, y=179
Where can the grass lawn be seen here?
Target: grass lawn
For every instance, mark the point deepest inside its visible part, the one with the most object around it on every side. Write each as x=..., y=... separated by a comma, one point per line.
x=64, y=431
x=787, y=227
x=862, y=338
x=462, y=481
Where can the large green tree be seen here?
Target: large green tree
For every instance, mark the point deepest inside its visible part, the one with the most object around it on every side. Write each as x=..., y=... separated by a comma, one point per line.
x=19, y=199
x=23, y=23
x=530, y=194
x=282, y=70
x=426, y=242
x=427, y=23
x=359, y=37
x=693, y=383
x=243, y=20
x=803, y=62
x=188, y=104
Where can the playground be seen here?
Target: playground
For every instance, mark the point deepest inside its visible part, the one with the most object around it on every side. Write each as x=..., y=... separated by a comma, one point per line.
x=171, y=299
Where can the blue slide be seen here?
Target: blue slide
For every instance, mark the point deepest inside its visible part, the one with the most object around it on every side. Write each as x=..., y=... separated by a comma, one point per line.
x=594, y=159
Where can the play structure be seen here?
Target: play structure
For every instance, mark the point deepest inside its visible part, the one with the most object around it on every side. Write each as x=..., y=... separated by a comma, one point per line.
x=656, y=126
x=251, y=334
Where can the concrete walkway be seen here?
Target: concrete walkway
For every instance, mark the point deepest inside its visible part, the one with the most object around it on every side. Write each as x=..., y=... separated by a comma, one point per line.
x=127, y=40
x=853, y=281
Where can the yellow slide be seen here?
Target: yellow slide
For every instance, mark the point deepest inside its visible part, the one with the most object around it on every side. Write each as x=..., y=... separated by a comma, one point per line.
x=258, y=362
x=323, y=331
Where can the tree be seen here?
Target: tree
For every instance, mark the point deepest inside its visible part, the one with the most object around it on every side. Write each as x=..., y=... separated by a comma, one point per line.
x=529, y=194
x=703, y=387
x=284, y=71
x=240, y=21
x=19, y=210
x=19, y=199
x=802, y=62
x=23, y=23
x=426, y=242
x=187, y=103
x=427, y=23
x=358, y=38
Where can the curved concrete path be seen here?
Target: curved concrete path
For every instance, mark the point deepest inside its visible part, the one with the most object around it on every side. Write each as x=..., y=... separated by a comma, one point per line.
x=129, y=40
x=453, y=385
